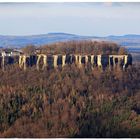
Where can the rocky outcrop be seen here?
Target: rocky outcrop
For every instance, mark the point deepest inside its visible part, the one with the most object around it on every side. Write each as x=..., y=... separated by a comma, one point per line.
x=42, y=61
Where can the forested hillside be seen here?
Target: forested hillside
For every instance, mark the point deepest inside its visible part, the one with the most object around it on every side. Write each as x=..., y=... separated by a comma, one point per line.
x=70, y=102
x=83, y=47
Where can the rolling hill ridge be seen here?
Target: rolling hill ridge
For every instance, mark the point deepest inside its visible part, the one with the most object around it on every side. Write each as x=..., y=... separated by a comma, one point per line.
x=130, y=40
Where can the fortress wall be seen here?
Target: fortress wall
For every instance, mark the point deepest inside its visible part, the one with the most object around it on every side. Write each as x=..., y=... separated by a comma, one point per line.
x=42, y=61
x=104, y=60
x=50, y=61
x=1, y=62
x=115, y=60
x=55, y=58
x=59, y=60
x=99, y=63
x=63, y=60
x=110, y=61
x=92, y=59
x=16, y=59
x=79, y=61
x=86, y=59
x=125, y=59
x=76, y=59
x=33, y=60
x=37, y=63
x=25, y=62
x=83, y=59
x=73, y=59
x=8, y=60
x=20, y=61
x=68, y=59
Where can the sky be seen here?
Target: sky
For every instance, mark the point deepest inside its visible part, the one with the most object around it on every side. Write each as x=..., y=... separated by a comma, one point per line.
x=92, y=18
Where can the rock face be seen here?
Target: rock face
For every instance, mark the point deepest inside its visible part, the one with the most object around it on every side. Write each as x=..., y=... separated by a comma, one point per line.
x=42, y=61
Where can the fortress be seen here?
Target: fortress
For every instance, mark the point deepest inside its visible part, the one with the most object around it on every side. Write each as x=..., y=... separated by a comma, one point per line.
x=42, y=61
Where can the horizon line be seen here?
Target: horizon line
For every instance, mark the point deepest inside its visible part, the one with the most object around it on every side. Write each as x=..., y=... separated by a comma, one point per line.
x=26, y=35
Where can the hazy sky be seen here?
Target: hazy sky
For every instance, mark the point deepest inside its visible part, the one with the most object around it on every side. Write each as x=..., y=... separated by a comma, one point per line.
x=97, y=19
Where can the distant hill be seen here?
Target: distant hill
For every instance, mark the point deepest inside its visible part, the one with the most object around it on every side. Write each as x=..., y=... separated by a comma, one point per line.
x=126, y=40
x=21, y=41
x=131, y=40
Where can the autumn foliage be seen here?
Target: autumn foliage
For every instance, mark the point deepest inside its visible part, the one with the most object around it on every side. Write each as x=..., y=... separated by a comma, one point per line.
x=70, y=102
x=83, y=47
